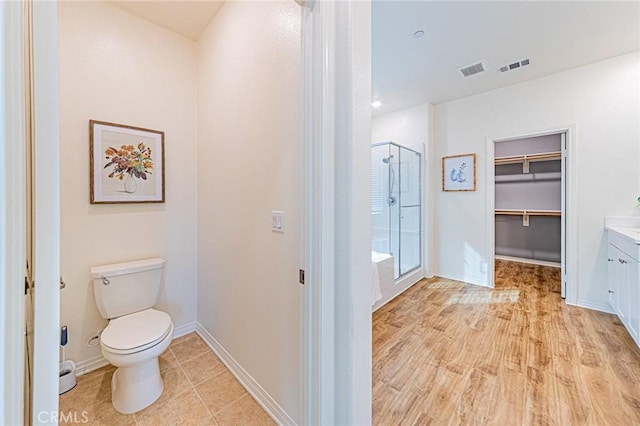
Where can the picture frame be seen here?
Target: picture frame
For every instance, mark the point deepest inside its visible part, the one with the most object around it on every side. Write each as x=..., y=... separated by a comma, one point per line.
x=126, y=164
x=459, y=172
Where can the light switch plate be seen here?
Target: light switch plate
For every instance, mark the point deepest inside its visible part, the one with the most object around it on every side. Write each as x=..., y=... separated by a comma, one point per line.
x=277, y=221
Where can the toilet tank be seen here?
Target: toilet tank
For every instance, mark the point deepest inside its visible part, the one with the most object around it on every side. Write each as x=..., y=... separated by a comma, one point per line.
x=128, y=287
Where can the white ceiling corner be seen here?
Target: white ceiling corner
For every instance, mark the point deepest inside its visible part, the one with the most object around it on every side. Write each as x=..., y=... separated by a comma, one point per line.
x=186, y=17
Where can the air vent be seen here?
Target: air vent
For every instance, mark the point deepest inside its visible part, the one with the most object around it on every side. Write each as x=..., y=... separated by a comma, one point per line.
x=515, y=65
x=472, y=69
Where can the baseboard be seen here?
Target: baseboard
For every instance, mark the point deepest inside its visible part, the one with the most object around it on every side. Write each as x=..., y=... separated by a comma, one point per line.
x=464, y=281
x=402, y=285
x=596, y=306
x=184, y=330
x=98, y=361
x=258, y=393
x=529, y=261
x=88, y=365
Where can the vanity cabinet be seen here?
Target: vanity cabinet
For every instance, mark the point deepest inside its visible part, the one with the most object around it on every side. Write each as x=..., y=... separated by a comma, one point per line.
x=612, y=280
x=633, y=282
x=624, y=281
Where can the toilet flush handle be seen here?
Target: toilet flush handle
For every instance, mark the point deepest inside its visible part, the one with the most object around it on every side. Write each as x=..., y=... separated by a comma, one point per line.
x=105, y=280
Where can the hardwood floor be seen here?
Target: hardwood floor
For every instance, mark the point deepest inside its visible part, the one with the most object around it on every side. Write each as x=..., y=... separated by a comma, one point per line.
x=446, y=352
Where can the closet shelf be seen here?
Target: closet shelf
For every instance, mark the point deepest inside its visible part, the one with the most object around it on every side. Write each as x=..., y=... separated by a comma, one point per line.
x=526, y=213
x=543, y=156
x=516, y=212
x=526, y=159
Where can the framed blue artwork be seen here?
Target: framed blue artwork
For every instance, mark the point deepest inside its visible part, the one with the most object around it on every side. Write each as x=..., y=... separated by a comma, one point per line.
x=459, y=172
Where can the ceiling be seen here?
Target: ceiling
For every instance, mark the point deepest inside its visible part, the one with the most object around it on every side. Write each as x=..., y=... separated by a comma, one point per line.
x=555, y=36
x=406, y=71
x=186, y=17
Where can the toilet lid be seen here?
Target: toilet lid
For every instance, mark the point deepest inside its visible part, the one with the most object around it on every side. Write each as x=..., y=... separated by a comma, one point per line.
x=135, y=332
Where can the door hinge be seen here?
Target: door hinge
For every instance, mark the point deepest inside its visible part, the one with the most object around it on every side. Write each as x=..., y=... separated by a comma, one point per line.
x=26, y=286
x=301, y=276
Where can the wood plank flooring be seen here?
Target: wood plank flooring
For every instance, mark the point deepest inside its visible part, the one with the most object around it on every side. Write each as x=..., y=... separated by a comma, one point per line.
x=445, y=352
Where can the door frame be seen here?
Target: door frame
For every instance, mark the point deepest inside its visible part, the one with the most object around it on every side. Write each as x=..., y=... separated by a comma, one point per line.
x=336, y=310
x=12, y=213
x=46, y=207
x=46, y=267
x=569, y=204
x=336, y=374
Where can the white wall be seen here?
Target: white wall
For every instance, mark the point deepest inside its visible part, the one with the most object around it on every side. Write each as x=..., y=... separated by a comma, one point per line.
x=117, y=67
x=408, y=127
x=249, y=163
x=602, y=101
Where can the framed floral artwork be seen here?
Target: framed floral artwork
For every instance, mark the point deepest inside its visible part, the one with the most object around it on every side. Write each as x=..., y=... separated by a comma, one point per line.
x=126, y=164
x=459, y=172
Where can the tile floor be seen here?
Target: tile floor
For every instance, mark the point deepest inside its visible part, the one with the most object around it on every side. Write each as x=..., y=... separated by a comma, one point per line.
x=198, y=390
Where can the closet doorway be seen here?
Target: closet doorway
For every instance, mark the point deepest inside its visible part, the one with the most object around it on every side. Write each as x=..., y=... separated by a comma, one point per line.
x=528, y=193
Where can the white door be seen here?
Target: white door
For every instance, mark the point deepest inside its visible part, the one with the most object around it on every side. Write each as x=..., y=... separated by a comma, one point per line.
x=12, y=214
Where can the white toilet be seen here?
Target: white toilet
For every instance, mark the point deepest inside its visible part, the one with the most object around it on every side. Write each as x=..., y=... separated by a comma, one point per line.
x=137, y=334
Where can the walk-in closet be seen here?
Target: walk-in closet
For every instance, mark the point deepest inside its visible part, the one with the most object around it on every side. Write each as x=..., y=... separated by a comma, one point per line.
x=529, y=200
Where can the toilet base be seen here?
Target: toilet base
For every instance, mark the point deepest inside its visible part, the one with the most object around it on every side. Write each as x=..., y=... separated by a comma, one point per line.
x=136, y=387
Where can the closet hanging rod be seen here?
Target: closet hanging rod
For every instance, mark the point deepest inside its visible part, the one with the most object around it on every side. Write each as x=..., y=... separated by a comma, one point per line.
x=515, y=212
x=527, y=213
x=542, y=156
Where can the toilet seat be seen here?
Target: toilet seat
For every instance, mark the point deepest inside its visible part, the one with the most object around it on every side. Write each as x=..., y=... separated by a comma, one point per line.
x=136, y=332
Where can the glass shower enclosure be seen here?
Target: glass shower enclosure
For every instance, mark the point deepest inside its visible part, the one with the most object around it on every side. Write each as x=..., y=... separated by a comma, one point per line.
x=396, y=205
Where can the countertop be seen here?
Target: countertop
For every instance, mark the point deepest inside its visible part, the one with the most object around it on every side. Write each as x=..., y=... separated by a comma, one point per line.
x=626, y=232
x=628, y=227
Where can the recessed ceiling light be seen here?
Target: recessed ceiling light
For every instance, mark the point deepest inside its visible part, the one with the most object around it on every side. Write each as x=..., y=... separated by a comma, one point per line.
x=376, y=104
x=418, y=34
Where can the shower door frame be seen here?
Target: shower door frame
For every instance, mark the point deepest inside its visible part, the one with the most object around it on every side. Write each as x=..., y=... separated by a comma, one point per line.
x=420, y=212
